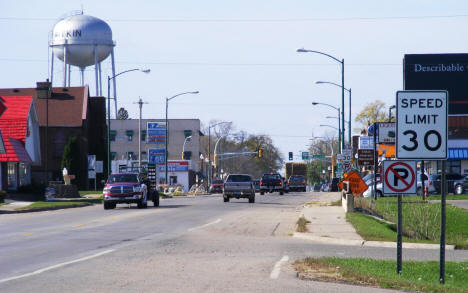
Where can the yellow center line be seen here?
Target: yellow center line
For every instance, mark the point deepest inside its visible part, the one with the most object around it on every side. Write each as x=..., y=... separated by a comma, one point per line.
x=28, y=234
x=79, y=225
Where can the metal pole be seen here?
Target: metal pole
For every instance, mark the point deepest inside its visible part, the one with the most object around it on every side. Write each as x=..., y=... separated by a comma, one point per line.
x=374, y=191
x=140, y=104
x=349, y=121
x=442, y=225
x=342, y=104
x=340, y=134
x=167, y=137
x=399, y=230
x=209, y=155
x=108, y=129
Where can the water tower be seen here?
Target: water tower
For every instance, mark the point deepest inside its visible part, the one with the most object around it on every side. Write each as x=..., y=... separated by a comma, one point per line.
x=82, y=40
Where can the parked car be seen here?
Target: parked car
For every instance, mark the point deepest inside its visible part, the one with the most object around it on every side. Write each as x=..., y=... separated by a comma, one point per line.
x=455, y=183
x=239, y=186
x=317, y=187
x=333, y=185
x=370, y=184
x=324, y=187
x=216, y=186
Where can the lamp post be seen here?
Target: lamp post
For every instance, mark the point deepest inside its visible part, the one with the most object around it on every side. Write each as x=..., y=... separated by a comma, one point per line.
x=209, y=147
x=167, y=128
x=342, y=84
x=188, y=138
x=109, y=78
x=349, y=114
x=339, y=130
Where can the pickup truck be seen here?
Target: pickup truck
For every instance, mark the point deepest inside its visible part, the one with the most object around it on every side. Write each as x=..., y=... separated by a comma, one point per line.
x=239, y=186
x=297, y=182
x=271, y=182
x=127, y=187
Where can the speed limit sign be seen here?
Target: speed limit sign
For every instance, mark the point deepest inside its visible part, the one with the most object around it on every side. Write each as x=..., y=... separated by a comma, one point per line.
x=421, y=128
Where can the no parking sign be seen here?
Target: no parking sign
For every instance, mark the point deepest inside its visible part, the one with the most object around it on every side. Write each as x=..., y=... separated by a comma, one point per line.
x=399, y=177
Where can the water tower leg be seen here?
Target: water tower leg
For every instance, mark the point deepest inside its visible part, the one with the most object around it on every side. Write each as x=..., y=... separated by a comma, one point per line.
x=65, y=66
x=82, y=69
x=114, y=82
x=52, y=68
x=96, y=71
x=100, y=80
x=69, y=74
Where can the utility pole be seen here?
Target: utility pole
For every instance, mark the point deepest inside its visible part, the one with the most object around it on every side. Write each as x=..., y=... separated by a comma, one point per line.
x=140, y=105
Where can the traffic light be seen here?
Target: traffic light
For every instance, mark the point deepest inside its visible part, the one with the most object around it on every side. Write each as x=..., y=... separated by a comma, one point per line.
x=260, y=153
x=290, y=156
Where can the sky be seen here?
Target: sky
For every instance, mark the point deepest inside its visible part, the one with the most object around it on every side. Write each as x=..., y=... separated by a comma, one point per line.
x=241, y=56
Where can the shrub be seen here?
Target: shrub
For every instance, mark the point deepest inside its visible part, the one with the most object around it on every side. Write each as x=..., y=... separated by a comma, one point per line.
x=2, y=195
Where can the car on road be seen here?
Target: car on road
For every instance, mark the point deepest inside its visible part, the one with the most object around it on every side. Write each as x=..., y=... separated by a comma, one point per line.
x=317, y=187
x=324, y=187
x=333, y=185
x=125, y=188
x=297, y=183
x=216, y=186
x=256, y=184
x=272, y=182
x=239, y=186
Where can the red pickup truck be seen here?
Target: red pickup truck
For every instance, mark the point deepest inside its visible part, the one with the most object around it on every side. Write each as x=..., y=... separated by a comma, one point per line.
x=126, y=188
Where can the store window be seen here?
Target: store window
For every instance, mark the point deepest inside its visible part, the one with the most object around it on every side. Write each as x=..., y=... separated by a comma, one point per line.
x=130, y=156
x=451, y=166
x=113, y=155
x=144, y=156
x=113, y=133
x=59, y=143
x=129, y=135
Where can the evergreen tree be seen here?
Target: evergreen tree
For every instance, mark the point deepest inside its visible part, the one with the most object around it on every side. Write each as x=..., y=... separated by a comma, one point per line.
x=71, y=158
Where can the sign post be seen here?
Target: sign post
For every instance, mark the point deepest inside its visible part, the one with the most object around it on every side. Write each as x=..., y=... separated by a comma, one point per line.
x=399, y=177
x=422, y=134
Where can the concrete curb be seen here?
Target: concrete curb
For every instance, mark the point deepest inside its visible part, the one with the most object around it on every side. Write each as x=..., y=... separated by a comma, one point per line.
x=364, y=243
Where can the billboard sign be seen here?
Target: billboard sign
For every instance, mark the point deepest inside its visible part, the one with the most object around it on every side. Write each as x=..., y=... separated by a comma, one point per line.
x=439, y=72
x=156, y=132
x=366, y=142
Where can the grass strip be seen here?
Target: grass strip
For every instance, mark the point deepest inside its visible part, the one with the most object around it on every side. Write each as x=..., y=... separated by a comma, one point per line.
x=371, y=229
x=302, y=225
x=54, y=205
x=416, y=276
x=86, y=192
x=421, y=219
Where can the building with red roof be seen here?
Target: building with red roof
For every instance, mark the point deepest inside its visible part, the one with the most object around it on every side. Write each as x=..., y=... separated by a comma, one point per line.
x=62, y=113
x=19, y=127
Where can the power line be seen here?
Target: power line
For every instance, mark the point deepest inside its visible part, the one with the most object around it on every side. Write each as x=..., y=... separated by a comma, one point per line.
x=234, y=20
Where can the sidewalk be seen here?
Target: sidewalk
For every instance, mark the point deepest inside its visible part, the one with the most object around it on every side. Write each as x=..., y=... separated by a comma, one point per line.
x=328, y=225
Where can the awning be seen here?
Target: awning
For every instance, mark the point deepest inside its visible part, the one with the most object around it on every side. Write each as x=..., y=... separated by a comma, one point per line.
x=457, y=154
x=129, y=132
x=113, y=132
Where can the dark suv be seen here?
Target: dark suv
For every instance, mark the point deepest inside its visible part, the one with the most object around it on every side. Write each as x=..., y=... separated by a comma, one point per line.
x=333, y=185
x=456, y=183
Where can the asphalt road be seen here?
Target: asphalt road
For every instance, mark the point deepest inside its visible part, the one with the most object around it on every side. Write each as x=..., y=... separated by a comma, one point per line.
x=186, y=245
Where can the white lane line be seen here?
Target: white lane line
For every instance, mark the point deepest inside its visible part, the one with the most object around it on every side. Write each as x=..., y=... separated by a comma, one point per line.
x=206, y=225
x=56, y=266
x=277, y=268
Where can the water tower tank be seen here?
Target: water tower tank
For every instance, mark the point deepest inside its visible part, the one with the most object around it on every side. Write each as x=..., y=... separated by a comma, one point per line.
x=82, y=35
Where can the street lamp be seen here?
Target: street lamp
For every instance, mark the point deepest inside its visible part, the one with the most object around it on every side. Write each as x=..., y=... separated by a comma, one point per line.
x=188, y=138
x=209, y=146
x=109, y=78
x=167, y=127
x=339, y=130
x=342, y=84
x=349, y=115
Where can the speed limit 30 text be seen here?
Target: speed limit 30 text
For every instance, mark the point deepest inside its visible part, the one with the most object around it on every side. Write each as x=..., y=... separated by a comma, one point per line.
x=421, y=103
